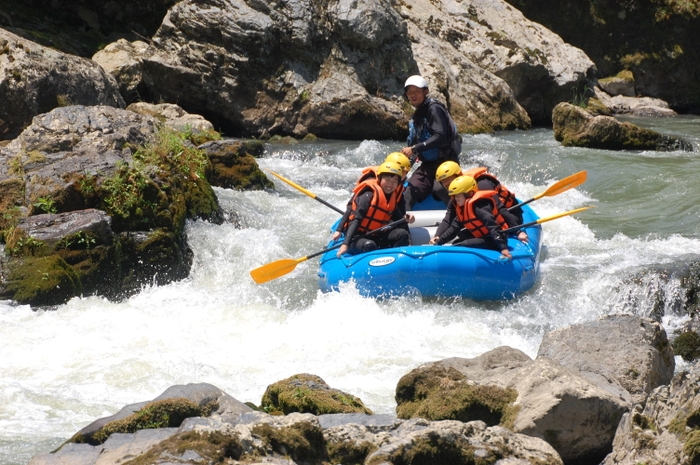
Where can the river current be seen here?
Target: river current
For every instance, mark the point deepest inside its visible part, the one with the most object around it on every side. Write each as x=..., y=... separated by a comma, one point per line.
x=65, y=367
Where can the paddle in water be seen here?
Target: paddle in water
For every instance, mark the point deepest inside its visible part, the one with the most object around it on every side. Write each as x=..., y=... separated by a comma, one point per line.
x=281, y=267
x=305, y=191
x=557, y=188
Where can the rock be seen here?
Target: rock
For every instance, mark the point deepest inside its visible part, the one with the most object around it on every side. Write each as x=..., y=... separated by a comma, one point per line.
x=51, y=228
x=307, y=393
x=666, y=431
x=634, y=106
x=622, y=84
x=576, y=415
x=625, y=350
x=256, y=437
x=172, y=116
x=122, y=60
x=233, y=164
x=461, y=46
x=73, y=168
x=274, y=74
x=657, y=43
x=574, y=126
x=35, y=79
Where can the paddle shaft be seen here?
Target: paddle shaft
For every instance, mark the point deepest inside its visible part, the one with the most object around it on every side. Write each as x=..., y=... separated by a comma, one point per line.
x=280, y=268
x=545, y=219
x=557, y=188
x=307, y=192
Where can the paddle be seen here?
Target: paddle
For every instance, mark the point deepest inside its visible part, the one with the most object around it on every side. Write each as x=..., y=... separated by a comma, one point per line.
x=305, y=191
x=557, y=188
x=545, y=219
x=279, y=268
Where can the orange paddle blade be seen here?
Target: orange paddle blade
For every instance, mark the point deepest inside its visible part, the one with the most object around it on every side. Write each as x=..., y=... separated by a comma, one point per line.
x=275, y=269
x=565, y=184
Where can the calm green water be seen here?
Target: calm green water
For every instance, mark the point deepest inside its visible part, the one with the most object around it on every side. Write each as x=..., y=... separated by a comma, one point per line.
x=62, y=369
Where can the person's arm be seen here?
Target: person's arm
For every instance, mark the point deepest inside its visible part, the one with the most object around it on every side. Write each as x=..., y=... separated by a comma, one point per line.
x=449, y=233
x=482, y=210
x=512, y=220
x=450, y=215
x=363, y=201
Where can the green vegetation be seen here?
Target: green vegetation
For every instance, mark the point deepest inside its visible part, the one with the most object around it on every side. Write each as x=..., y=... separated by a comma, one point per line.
x=213, y=447
x=45, y=205
x=687, y=345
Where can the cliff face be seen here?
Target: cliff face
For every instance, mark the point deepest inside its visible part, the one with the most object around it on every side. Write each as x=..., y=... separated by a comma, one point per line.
x=656, y=40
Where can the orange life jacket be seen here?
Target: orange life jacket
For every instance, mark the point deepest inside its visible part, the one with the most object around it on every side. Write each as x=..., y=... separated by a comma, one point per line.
x=506, y=196
x=380, y=210
x=469, y=220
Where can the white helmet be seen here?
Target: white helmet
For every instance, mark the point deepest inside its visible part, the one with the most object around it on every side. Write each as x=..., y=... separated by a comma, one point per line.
x=417, y=81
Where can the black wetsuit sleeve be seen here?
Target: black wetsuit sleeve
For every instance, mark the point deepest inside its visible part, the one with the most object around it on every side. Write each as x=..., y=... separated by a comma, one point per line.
x=450, y=215
x=363, y=201
x=483, y=211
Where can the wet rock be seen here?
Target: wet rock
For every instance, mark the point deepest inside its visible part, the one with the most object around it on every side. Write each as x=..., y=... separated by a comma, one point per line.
x=233, y=164
x=626, y=350
x=574, y=126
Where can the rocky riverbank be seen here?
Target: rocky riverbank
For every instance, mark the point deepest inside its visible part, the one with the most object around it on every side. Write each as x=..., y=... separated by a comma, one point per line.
x=602, y=391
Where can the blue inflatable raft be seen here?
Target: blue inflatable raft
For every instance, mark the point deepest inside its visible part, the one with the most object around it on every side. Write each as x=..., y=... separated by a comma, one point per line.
x=437, y=271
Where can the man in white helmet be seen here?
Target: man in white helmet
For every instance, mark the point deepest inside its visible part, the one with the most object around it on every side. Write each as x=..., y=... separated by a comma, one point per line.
x=432, y=140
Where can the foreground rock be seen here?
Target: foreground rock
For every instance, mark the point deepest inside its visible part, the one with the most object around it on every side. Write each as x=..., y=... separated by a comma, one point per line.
x=574, y=126
x=572, y=395
x=90, y=205
x=231, y=430
x=625, y=350
x=667, y=430
x=35, y=79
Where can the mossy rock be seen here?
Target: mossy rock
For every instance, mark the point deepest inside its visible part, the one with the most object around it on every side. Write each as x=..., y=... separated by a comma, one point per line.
x=307, y=393
x=41, y=281
x=439, y=393
x=167, y=413
x=303, y=441
x=687, y=345
x=234, y=165
x=212, y=446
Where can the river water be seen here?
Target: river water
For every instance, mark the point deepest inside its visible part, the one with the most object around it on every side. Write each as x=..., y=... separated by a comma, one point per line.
x=63, y=368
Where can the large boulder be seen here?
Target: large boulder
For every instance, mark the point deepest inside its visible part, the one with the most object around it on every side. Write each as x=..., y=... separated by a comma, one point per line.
x=80, y=217
x=667, y=430
x=36, y=79
x=576, y=415
x=626, y=350
x=336, y=71
x=575, y=126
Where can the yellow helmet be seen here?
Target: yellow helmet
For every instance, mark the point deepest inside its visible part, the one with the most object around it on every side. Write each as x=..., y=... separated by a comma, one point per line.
x=400, y=159
x=462, y=185
x=447, y=169
x=389, y=167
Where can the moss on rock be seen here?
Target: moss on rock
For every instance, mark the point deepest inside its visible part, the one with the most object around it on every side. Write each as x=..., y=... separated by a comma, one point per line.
x=167, y=413
x=439, y=393
x=307, y=393
x=211, y=446
x=303, y=442
x=42, y=280
x=687, y=345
